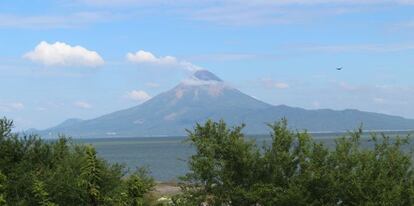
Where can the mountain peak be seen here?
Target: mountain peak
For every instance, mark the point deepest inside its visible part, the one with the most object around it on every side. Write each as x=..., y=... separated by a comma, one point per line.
x=204, y=96
x=205, y=75
x=202, y=78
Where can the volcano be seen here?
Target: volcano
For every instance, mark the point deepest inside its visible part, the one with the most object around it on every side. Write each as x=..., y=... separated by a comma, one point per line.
x=205, y=96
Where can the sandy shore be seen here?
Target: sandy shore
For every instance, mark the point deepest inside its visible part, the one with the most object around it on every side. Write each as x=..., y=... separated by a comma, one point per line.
x=166, y=189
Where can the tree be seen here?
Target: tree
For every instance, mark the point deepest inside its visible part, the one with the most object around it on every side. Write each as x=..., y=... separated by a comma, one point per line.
x=223, y=168
x=294, y=169
x=137, y=185
x=47, y=172
x=5, y=128
x=2, y=190
x=91, y=174
x=40, y=194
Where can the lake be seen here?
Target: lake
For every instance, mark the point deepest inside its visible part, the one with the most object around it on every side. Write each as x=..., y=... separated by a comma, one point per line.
x=166, y=156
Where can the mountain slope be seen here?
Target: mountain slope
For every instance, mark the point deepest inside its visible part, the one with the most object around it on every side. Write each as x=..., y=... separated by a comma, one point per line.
x=205, y=96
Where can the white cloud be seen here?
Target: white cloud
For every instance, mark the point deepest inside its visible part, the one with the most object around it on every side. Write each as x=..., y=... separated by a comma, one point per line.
x=379, y=100
x=245, y=2
x=226, y=57
x=230, y=12
x=385, y=102
x=52, y=21
x=138, y=95
x=118, y=2
x=82, y=105
x=11, y=106
x=402, y=26
x=145, y=57
x=17, y=105
x=258, y=12
x=348, y=87
x=358, y=47
x=271, y=12
x=142, y=56
x=191, y=81
x=255, y=12
x=281, y=85
x=62, y=54
x=189, y=66
x=41, y=109
x=272, y=84
x=171, y=116
x=316, y=104
x=152, y=85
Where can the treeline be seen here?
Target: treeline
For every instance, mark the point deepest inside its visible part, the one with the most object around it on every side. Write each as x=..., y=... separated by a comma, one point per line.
x=226, y=169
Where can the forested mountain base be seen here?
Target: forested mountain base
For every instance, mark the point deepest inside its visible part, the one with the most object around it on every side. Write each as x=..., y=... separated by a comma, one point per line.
x=226, y=169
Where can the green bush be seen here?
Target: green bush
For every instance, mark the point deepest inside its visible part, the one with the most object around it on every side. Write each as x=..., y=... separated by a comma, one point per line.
x=137, y=186
x=59, y=172
x=41, y=196
x=2, y=189
x=228, y=169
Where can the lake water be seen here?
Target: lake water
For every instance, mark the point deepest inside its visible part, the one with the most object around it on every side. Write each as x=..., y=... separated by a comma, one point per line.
x=166, y=156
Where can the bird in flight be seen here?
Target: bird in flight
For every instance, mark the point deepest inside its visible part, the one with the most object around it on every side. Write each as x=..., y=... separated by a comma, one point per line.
x=339, y=68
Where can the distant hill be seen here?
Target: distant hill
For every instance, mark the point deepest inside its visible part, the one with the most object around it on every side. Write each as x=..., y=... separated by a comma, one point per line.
x=205, y=96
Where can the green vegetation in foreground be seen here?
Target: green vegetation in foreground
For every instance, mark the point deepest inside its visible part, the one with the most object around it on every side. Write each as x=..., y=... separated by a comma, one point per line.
x=33, y=172
x=226, y=169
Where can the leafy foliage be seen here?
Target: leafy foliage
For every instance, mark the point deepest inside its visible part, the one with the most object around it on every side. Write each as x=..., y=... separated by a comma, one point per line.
x=137, y=185
x=49, y=173
x=41, y=196
x=2, y=189
x=294, y=169
x=91, y=176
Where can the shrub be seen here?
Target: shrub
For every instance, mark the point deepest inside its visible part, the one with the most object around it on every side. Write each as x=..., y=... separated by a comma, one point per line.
x=2, y=189
x=59, y=172
x=294, y=169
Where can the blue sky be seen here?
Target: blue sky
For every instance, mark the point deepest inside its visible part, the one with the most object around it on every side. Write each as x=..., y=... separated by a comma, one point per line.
x=69, y=58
